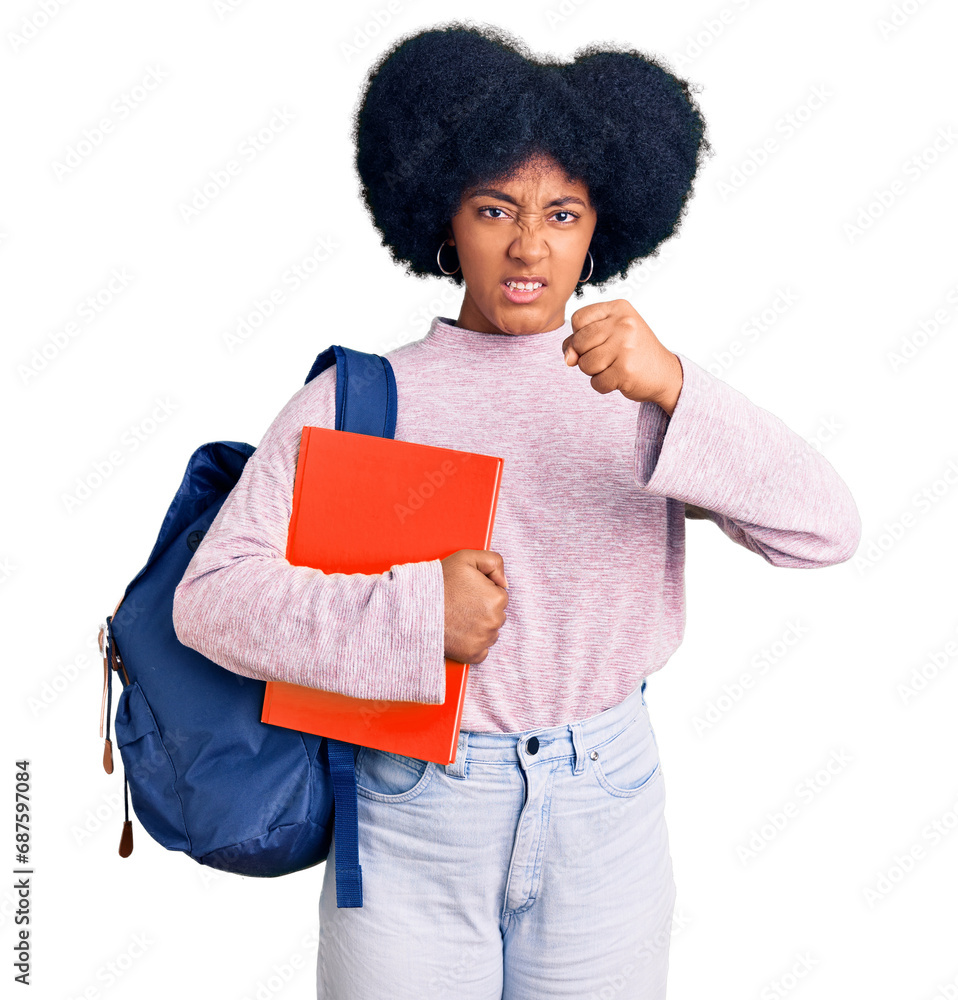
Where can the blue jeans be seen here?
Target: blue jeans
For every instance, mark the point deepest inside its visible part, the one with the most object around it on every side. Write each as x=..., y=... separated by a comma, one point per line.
x=535, y=867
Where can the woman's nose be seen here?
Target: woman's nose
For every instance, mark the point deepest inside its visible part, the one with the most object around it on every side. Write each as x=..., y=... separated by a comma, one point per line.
x=529, y=242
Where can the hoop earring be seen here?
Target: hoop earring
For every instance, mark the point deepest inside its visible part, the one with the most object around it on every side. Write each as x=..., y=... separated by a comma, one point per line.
x=439, y=262
x=589, y=275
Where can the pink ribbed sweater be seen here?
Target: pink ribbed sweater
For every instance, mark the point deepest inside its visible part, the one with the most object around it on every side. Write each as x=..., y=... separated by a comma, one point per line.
x=590, y=524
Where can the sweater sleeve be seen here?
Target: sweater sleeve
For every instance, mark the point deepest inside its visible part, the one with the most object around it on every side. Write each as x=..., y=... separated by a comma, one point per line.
x=244, y=606
x=766, y=487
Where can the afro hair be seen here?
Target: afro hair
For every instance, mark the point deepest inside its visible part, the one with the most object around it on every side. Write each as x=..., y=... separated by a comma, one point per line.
x=457, y=105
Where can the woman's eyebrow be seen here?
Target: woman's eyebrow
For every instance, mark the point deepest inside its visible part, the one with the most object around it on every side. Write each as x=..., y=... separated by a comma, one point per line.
x=493, y=193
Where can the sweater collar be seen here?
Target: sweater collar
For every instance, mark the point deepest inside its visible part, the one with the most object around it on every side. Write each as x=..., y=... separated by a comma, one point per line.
x=444, y=333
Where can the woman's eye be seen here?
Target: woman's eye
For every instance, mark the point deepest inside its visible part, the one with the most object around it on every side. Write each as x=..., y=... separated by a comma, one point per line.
x=571, y=216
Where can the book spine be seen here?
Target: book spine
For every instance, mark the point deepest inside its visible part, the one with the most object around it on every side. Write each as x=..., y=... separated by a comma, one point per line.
x=459, y=708
x=495, y=503
x=267, y=701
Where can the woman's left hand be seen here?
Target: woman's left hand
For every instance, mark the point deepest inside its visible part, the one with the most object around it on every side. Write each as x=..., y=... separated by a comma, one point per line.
x=612, y=343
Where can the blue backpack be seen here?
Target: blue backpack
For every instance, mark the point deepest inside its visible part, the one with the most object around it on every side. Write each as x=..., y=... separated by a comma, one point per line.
x=206, y=776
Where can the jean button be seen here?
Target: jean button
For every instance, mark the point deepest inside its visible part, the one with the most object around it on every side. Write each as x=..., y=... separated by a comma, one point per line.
x=533, y=745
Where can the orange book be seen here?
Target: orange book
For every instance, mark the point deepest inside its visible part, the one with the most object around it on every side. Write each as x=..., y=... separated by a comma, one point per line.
x=362, y=504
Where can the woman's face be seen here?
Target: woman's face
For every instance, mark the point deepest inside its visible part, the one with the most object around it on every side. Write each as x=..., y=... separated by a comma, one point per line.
x=532, y=226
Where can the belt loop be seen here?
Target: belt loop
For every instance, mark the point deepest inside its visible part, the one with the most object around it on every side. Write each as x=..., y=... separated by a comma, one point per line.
x=576, y=729
x=457, y=769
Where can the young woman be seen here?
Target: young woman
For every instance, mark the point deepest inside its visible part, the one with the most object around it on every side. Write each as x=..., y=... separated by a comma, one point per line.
x=536, y=865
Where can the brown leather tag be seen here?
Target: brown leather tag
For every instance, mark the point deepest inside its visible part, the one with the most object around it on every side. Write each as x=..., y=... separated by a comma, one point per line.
x=126, y=839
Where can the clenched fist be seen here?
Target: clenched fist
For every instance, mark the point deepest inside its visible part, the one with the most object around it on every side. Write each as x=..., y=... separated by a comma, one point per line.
x=612, y=343
x=475, y=585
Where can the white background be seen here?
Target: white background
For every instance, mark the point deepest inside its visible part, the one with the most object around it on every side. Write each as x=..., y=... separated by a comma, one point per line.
x=810, y=898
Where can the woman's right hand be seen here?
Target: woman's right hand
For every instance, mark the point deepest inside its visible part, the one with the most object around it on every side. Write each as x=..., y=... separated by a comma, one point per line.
x=474, y=582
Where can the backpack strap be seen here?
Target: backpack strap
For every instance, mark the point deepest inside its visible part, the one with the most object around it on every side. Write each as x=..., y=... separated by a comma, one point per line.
x=365, y=390
x=366, y=403
x=349, y=873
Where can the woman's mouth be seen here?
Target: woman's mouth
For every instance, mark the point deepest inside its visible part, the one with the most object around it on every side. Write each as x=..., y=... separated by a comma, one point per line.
x=521, y=292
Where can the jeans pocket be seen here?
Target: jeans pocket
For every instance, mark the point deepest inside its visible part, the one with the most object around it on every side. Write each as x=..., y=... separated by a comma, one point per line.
x=391, y=777
x=629, y=762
